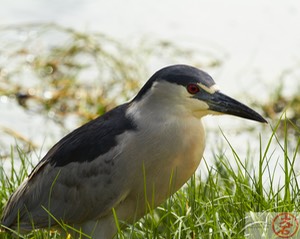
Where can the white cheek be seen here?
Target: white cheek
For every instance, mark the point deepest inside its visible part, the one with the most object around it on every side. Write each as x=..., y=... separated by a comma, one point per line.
x=201, y=105
x=197, y=107
x=194, y=103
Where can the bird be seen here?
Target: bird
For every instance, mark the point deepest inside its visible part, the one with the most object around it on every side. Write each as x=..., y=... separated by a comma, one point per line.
x=135, y=155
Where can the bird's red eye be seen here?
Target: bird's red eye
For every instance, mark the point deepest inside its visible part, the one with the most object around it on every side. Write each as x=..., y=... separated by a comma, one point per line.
x=192, y=88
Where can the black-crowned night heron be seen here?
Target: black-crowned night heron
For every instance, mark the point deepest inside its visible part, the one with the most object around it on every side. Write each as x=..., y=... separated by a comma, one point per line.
x=141, y=151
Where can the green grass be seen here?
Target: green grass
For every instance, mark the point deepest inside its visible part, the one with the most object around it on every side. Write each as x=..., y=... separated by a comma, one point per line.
x=213, y=206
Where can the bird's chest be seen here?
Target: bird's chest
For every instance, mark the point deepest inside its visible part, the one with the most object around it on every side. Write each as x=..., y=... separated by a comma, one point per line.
x=170, y=155
x=182, y=147
x=178, y=143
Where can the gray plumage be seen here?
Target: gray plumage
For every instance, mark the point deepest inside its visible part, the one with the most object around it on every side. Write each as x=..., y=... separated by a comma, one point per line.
x=142, y=151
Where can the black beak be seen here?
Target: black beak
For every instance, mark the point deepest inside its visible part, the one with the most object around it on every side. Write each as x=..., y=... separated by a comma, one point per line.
x=221, y=103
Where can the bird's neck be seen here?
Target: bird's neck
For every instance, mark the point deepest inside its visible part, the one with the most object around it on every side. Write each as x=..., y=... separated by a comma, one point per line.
x=175, y=128
x=175, y=144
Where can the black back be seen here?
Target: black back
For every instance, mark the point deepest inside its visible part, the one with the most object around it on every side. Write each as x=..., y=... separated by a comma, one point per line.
x=92, y=139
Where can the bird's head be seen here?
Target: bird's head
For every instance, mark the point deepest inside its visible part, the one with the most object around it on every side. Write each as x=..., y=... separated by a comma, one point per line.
x=190, y=90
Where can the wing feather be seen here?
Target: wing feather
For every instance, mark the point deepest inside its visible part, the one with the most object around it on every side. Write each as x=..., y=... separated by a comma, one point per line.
x=77, y=180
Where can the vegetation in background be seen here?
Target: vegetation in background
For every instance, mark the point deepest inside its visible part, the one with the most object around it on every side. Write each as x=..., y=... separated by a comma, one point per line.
x=57, y=71
x=279, y=103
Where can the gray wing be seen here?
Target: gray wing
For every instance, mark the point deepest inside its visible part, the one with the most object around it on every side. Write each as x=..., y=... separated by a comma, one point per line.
x=79, y=178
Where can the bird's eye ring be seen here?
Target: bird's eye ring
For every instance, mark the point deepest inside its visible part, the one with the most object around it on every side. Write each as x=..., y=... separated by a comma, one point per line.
x=192, y=88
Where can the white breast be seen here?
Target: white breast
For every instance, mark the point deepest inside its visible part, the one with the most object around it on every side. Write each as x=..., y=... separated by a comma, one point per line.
x=167, y=151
